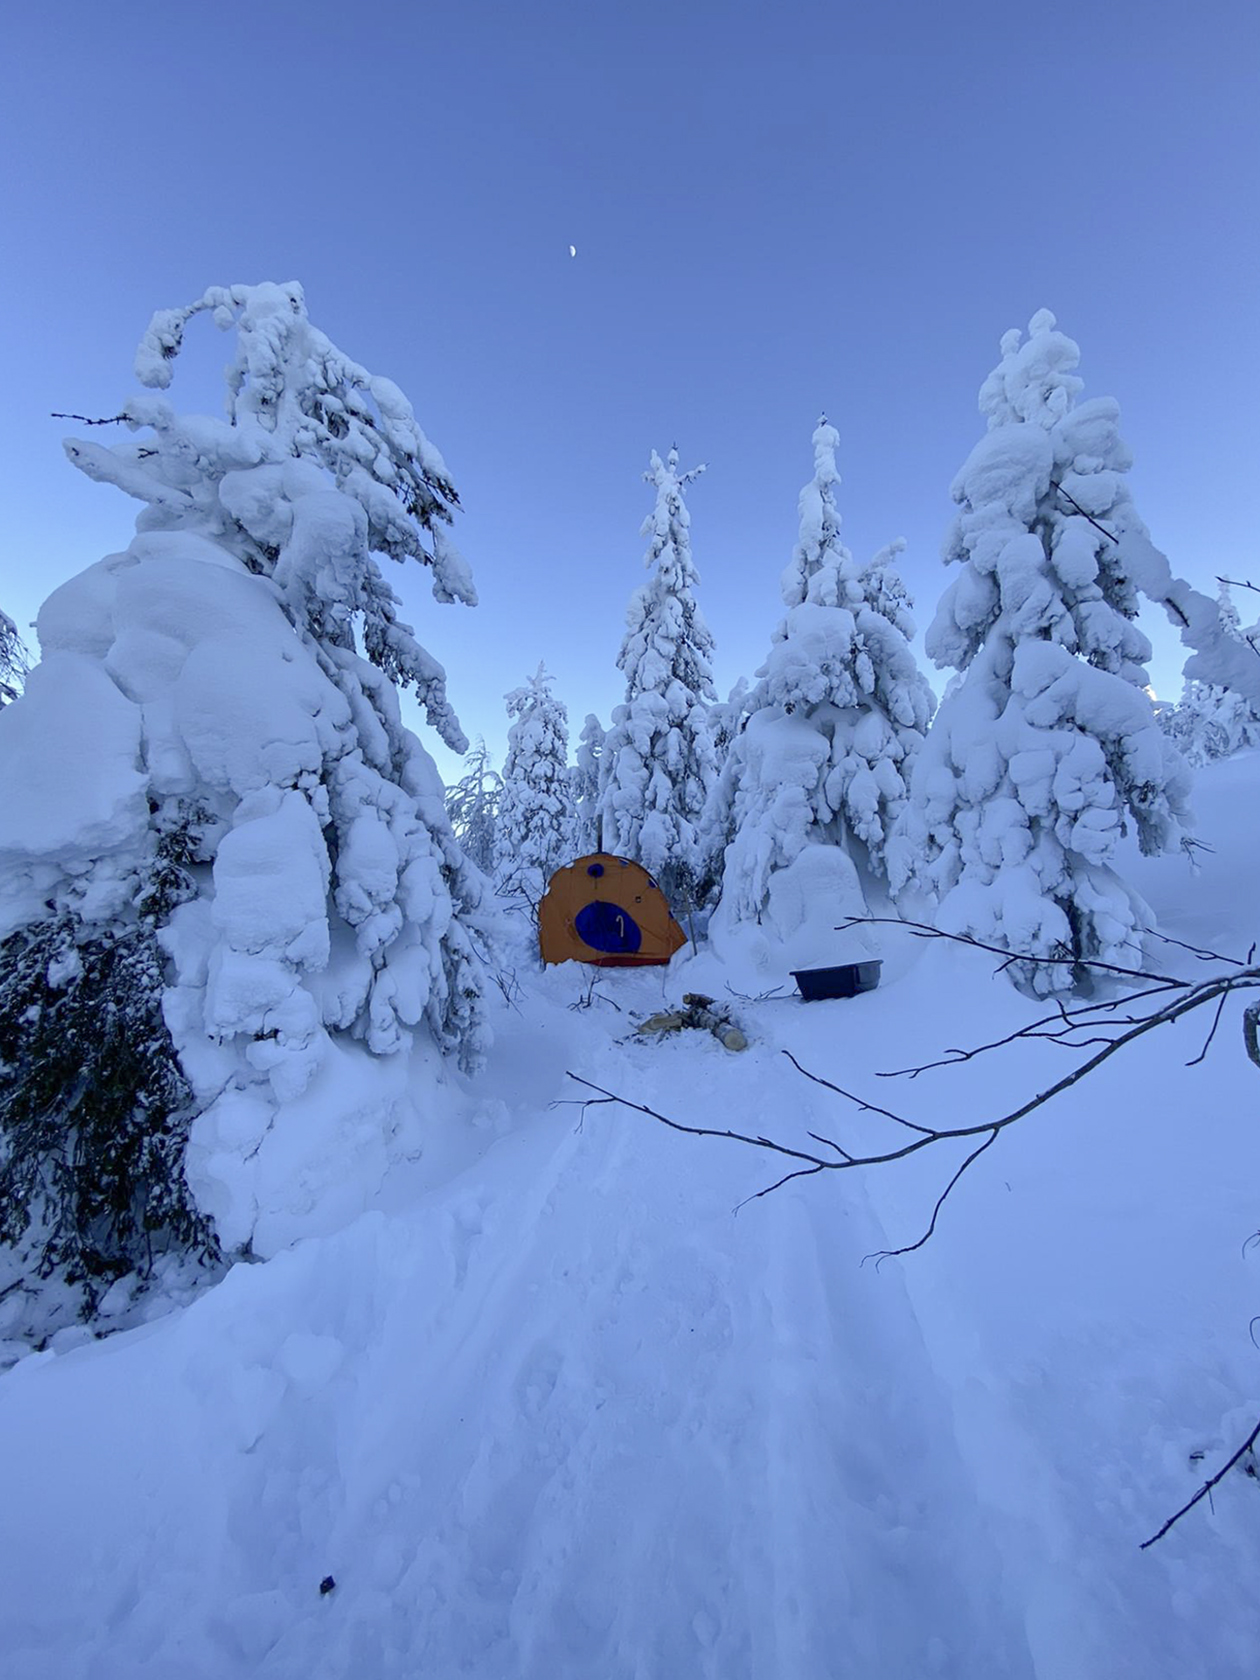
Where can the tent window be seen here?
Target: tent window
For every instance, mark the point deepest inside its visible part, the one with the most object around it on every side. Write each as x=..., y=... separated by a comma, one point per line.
x=607, y=927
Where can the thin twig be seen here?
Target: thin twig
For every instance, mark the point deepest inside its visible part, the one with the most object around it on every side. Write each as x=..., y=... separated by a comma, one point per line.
x=830, y=1143
x=865, y=1107
x=112, y=420
x=1206, y=1489
x=1039, y=1029
x=1207, y=1042
x=797, y=1172
x=698, y=1131
x=923, y=930
x=758, y=997
x=1198, y=950
x=1106, y=533
x=892, y=1253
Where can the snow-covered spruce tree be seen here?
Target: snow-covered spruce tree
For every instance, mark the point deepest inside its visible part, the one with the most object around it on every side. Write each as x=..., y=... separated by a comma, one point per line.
x=13, y=661
x=536, y=817
x=472, y=804
x=726, y=719
x=1212, y=722
x=217, y=823
x=816, y=780
x=584, y=781
x=1047, y=749
x=657, y=763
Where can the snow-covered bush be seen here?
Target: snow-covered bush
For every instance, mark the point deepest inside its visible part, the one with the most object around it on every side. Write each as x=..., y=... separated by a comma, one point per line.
x=657, y=762
x=1209, y=723
x=472, y=804
x=535, y=827
x=1048, y=749
x=211, y=757
x=833, y=725
x=1213, y=722
x=584, y=783
x=726, y=719
x=13, y=660
x=96, y=1112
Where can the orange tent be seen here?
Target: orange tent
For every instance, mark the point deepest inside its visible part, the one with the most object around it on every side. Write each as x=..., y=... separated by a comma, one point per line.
x=608, y=911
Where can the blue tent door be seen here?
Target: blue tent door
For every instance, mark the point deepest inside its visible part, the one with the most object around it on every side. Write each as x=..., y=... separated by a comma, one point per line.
x=608, y=928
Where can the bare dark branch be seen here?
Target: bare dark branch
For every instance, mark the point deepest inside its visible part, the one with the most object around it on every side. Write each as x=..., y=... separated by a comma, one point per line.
x=1194, y=998
x=111, y=420
x=830, y=1143
x=865, y=1107
x=892, y=1253
x=1069, y=1021
x=1054, y=483
x=756, y=997
x=1199, y=951
x=700, y=1131
x=1207, y=1042
x=1206, y=1488
x=923, y=930
x=798, y=1172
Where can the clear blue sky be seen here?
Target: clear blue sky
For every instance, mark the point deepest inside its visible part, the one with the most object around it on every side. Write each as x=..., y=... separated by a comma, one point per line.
x=777, y=209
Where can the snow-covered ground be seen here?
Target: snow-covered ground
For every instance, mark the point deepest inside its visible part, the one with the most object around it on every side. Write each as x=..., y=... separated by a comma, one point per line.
x=553, y=1408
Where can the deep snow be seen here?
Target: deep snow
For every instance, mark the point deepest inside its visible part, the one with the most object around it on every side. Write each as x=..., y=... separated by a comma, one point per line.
x=552, y=1408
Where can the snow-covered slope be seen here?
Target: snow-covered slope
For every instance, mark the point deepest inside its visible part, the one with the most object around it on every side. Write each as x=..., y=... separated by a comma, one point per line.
x=554, y=1409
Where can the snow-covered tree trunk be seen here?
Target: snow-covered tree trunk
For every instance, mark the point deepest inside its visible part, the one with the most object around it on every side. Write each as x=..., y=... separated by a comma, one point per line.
x=585, y=785
x=536, y=816
x=815, y=781
x=212, y=750
x=657, y=763
x=1048, y=749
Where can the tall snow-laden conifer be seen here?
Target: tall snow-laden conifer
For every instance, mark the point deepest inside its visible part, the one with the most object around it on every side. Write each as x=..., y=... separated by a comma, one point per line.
x=215, y=819
x=833, y=726
x=535, y=823
x=1047, y=750
x=657, y=762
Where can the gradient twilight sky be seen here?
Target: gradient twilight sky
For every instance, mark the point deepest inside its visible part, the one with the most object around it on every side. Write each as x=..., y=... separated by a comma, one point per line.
x=777, y=209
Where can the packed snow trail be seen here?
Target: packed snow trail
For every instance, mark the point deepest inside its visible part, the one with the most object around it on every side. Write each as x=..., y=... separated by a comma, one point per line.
x=566, y=1415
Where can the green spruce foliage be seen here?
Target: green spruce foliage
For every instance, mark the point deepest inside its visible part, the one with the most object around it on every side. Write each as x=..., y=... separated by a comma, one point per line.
x=94, y=1110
